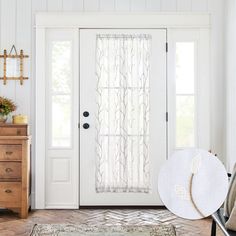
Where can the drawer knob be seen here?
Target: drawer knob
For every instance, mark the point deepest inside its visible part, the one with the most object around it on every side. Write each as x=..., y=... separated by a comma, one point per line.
x=18, y=132
x=8, y=191
x=9, y=153
x=8, y=170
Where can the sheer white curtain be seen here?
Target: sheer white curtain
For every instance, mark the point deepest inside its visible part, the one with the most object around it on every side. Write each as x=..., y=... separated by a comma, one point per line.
x=122, y=118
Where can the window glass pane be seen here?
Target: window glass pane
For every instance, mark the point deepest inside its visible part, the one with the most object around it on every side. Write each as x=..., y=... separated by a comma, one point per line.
x=61, y=66
x=185, y=67
x=184, y=121
x=61, y=121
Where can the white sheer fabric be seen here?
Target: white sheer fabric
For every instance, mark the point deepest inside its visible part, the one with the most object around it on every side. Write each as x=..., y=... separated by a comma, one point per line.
x=122, y=117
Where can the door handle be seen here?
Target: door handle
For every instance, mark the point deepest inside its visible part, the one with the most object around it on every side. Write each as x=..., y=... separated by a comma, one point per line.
x=85, y=113
x=85, y=125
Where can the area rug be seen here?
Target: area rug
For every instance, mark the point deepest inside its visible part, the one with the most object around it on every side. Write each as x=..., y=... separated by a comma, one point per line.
x=85, y=230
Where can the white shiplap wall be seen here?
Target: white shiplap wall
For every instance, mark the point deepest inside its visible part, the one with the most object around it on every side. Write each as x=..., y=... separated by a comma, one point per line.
x=17, y=27
x=231, y=82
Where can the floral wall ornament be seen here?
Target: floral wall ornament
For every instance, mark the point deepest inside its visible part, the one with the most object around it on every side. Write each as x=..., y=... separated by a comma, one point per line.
x=13, y=68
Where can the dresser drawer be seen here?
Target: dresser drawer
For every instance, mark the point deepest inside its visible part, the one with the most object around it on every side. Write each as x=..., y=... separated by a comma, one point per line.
x=10, y=152
x=10, y=170
x=14, y=131
x=10, y=194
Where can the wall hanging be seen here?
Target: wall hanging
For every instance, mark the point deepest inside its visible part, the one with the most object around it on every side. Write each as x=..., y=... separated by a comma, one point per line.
x=13, y=68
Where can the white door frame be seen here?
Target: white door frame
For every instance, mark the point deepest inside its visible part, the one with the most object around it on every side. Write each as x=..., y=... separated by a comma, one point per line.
x=78, y=21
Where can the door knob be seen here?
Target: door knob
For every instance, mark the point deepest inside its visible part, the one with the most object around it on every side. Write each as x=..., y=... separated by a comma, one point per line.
x=85, y=125
x=85, y=113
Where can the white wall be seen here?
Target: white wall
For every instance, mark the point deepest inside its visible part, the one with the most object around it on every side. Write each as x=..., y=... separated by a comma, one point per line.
x=16, y=27
x=231, y=81
x=218, y=85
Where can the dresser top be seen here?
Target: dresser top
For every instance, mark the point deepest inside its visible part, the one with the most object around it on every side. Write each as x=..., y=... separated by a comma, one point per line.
x=12, y=125
x=15, y=137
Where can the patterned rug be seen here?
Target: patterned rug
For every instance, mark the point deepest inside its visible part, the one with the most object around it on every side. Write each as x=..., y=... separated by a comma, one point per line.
x=84, y=230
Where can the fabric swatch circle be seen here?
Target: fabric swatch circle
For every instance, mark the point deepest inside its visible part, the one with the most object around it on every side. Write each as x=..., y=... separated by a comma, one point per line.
x=193, y=183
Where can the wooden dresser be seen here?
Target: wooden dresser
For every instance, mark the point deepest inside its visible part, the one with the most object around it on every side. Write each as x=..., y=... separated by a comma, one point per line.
x=15, y=168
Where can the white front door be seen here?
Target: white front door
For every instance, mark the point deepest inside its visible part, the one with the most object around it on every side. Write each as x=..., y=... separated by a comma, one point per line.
x=122, y=115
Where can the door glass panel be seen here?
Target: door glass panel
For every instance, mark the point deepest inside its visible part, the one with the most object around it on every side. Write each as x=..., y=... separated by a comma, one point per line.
x=122, y=119
x=61, y=66
x=184, y=121
x=60, y=87
x=61, y=125
x=185, y=95
x=185, y=68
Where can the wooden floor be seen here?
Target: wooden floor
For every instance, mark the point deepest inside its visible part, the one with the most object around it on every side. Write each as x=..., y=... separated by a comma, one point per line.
x=11, y=225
